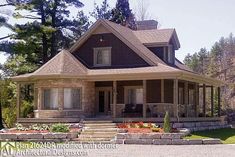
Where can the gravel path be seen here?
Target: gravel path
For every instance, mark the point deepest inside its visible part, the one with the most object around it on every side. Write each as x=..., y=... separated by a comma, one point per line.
x=166, y=151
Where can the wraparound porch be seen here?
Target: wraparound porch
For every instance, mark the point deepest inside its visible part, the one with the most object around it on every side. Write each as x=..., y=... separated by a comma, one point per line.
x=153, y=98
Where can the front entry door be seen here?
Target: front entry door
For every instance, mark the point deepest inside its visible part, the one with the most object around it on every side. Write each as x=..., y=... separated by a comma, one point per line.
x=103, y=100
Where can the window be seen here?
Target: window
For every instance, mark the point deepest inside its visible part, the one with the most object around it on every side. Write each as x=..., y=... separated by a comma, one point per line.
x=50, y=97
x=72, y=98
x=102, y=56
x=134, y=95
x=170, y=54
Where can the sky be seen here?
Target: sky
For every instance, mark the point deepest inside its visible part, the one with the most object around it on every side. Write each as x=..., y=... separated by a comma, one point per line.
x=198, y=23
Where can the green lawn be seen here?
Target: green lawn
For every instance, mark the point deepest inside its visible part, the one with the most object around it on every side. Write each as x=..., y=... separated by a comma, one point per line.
x=227, y=135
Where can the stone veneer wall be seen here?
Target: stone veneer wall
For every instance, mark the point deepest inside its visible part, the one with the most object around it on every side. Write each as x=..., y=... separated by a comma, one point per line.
x=87, y=95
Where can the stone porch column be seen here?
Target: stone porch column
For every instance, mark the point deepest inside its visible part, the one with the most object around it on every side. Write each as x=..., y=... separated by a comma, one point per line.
x=114, y=98
x=176, y=111
x=18, y=95
x=144, y=98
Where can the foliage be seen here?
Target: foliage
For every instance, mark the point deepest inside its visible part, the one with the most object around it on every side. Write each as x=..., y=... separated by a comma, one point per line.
x=39, y=127
x=9, y=115
x=36, y=127
x=59, y=128
x=49, y=28
x=122, y=14
x=101, y=12
x=167, y=125
x=8, y=101
x=218, y=63
x=20, y=127
x=27, y=109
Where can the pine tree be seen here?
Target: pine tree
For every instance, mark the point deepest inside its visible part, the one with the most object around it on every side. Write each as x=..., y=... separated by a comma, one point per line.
x=101, y=12
x=122, y=14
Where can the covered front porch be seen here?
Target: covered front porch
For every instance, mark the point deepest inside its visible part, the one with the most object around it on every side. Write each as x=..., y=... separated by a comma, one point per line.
x=121, y=100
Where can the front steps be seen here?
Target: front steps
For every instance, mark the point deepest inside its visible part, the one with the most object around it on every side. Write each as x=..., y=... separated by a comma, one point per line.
x=98, y=131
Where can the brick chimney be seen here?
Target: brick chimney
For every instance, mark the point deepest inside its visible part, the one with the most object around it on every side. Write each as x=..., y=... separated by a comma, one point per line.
x=146, y=24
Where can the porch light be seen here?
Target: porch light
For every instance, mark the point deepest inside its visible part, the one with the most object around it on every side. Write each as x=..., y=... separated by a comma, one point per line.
x=101, y=38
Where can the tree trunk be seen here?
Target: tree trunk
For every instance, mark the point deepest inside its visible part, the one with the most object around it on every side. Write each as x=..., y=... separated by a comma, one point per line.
x=44, y=38
x=53, y=36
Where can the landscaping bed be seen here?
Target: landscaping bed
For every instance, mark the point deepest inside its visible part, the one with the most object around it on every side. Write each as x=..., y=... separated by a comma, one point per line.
x=41, y=132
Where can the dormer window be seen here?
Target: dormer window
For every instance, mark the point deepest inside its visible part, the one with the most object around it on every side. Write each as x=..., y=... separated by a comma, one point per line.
x=102, y=56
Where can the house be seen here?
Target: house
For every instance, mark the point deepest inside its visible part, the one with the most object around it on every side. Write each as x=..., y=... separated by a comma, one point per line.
x=119, y=73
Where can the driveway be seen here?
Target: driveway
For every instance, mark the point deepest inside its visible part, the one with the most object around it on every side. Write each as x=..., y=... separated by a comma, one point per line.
x=166, y=151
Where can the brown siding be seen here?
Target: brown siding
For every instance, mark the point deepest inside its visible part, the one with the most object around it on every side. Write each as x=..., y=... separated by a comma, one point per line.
x=168, y=91
x=159, y=51
x=121, y=57
x=154, y=91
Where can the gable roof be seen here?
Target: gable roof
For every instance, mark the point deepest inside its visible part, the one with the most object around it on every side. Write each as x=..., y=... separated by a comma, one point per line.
x=157, y=36
x=64, y=63
x=125, y=35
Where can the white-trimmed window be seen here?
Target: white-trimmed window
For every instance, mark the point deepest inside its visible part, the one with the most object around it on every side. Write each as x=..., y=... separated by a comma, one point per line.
x=102, y=56
x=50, y=98
x=170, y=54
x=134, y=95
x=72, y=98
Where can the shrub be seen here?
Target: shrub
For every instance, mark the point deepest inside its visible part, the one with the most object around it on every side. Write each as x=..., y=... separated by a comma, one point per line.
x=59, y=128
x=37, y=127
x=9, y=115
x=27, y=109
x=167, y=125
x=20, y=127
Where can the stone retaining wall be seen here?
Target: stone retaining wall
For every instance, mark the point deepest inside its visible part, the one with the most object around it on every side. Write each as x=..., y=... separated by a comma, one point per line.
x=37, y=136
x=161, y=139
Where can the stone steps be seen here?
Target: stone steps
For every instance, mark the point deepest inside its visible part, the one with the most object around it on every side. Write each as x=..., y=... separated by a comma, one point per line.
x=97, y=135
x=98, y=131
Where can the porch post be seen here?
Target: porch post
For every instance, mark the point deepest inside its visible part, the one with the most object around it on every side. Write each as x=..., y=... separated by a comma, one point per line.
x=18, y=95
x=114, y=98
x=162, y=91
x=196, y=99
x=144, y=98
x=40, y=96
x=204, y=100
x=176, y=112
x=186, y=97
x=212, y=101
x=219, y=107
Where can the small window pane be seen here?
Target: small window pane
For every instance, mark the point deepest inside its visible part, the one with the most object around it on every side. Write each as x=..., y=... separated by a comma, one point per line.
x=72, y=98
x=51, y=98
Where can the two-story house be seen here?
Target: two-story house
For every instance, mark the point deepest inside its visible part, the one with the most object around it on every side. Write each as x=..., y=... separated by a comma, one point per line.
x=117, y=73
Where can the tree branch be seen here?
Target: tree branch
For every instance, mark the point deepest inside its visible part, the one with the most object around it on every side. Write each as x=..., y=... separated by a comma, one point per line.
x=3, y=5
x=6, y=37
